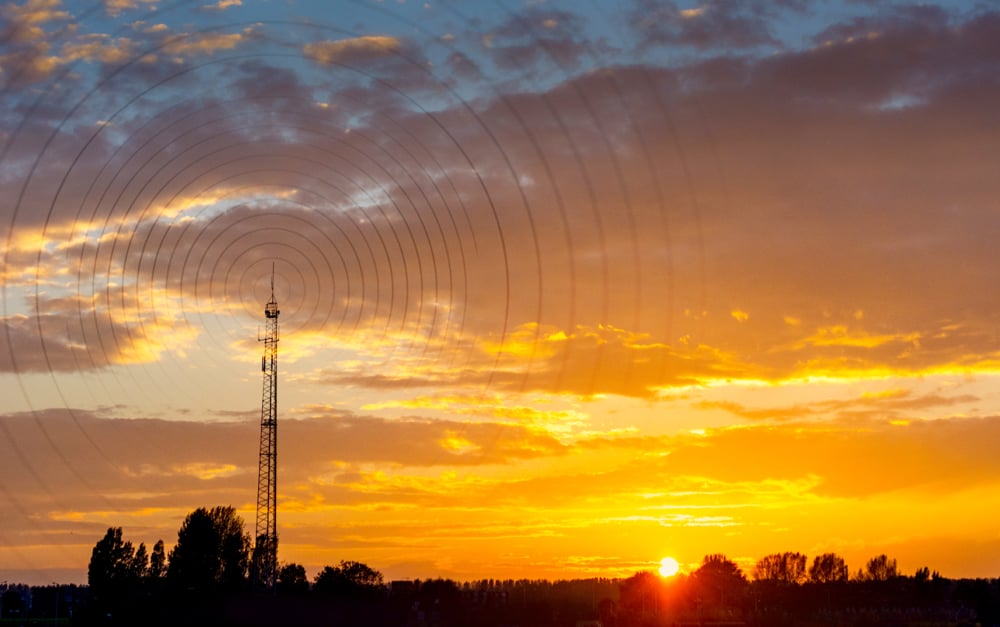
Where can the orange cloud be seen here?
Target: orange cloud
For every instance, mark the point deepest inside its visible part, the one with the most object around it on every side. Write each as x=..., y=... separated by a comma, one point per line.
x=97, y=48
x=840, y=335
x=222, y=5
x=513, y=408
x=205, y=43
x=352, y=50
x=879, y=406
x=26, y=19
x=116, y=7
x=82, y=333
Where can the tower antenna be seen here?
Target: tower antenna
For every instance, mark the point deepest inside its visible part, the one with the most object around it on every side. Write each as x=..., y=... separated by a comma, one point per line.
x=265, y=552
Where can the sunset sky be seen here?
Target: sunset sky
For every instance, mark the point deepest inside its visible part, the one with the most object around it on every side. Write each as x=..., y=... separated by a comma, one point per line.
x=565, y=287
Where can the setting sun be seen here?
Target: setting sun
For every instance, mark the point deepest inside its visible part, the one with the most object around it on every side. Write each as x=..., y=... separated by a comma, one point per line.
x=668, y=567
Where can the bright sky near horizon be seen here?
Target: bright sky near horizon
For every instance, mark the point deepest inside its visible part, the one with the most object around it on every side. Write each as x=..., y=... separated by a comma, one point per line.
x=565, y=287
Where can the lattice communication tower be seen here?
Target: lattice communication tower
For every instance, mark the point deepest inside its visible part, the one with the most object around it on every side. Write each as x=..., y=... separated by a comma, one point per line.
x=265, y=554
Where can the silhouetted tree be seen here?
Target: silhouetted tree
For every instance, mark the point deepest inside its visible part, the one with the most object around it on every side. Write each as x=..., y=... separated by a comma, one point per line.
x=639, y=593
x=115, y=573
x=157, y=562
x=261, y=554
x=292, y=579
x=112, y=566
x=212, y=551
x=788, y=568
x=719, y=579
x=880, y=568
x=349, y=579
x=828, y=568
x=140, y=564
x=922, y=575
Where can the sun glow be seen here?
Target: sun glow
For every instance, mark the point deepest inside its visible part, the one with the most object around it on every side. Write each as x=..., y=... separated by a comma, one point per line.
x=668, y=567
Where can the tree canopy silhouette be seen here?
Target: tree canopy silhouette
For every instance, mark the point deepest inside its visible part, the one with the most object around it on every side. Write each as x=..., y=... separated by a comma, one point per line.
x=349, y=579
x=114, y=565
x=292, y=580
x=116, y=572
x=786, y=568
x=880, y=568
x=157, y=562
x=212, y=551
x=828, y=568
x=719, y=579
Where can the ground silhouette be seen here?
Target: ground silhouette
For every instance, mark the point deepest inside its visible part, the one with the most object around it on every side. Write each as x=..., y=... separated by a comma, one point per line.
x=204, y=580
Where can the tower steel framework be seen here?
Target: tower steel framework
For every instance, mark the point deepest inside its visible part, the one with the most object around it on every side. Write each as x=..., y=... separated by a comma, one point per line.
x=265, y=561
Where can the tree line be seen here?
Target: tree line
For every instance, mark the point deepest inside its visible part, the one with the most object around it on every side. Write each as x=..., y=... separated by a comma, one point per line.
x=783, y=590
x=207, y=570
x=205, y=579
